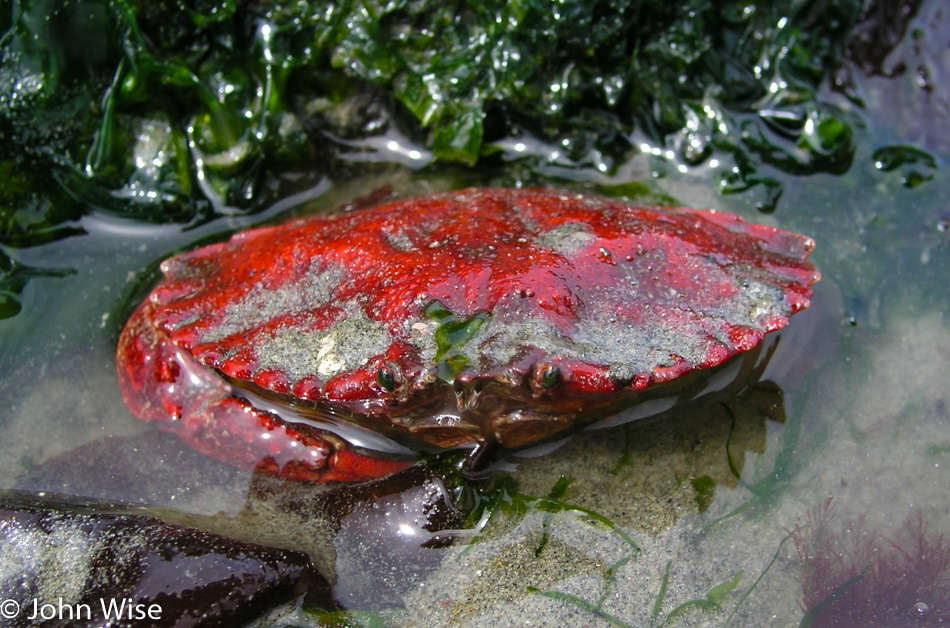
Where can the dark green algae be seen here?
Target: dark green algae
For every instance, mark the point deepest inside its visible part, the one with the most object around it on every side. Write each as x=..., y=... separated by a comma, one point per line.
x=186, y=111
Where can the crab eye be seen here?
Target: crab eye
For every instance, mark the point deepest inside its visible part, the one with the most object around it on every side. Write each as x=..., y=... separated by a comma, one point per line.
x=386, y=379
x=550, y=377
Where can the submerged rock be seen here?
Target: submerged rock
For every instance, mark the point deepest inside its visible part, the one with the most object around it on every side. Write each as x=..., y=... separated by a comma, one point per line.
x=63, y=565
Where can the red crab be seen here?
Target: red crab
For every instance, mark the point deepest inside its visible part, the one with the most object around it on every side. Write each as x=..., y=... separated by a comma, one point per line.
x=481, y=316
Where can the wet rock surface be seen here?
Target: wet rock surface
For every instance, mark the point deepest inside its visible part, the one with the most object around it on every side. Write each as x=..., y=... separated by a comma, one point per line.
x=84, y=565
x=375, y=540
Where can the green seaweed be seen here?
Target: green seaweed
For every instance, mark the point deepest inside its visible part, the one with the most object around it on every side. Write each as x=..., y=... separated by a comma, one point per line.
x=355, y=618
x=713, y=599
x=661, y=594
x=705, y=488
x=502, y=495
x=770, y=484
x=597, y=608
x=250, y=87
x=557, y=492
x=451, y=336
x=186, y=111
x=755, y=584
x=938, y=450
x=638, y=192
x=914, y=165
x=593, y=609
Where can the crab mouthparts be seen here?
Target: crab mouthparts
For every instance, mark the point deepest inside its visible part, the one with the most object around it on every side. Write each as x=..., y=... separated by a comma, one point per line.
x=467, y=394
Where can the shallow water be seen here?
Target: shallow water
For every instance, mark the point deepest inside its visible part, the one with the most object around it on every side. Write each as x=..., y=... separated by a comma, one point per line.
x=855, y=409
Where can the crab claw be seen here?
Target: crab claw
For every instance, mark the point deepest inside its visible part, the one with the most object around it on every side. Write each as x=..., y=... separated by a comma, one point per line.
x=164, y=384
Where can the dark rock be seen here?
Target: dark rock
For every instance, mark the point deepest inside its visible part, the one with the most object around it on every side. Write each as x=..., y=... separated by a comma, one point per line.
x=83, y=562
x=388, y=545
x=383, y=537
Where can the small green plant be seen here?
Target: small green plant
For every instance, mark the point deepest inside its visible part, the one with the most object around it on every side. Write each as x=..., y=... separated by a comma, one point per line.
x=768, y=486
x=356, y=619
x=452, y=334
x=504, y=497
x=557, y=492
x=712, y=601
x=597, y=607
x=705, y=488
